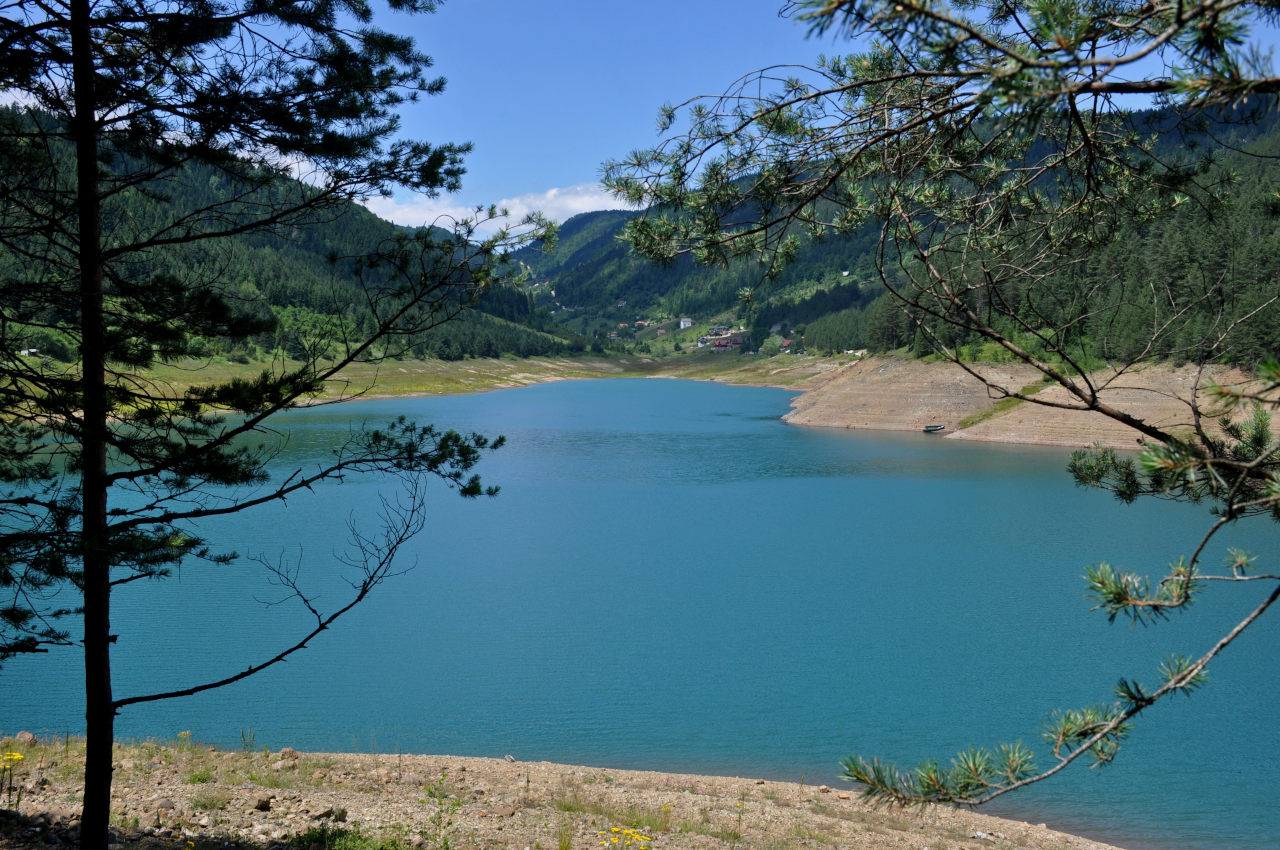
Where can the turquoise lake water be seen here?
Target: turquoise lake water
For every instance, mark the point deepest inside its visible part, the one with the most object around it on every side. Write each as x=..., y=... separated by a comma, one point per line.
x=674, y=579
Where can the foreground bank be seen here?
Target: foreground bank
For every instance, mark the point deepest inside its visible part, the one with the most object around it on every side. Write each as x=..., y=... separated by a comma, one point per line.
x=170, y=795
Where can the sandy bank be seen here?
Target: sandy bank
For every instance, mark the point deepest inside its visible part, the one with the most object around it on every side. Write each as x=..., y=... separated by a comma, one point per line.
x=899, y=394
x=201, y=799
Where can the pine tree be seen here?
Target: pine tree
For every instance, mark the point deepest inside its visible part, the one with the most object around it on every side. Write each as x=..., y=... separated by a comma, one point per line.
x=293, y=107
x=989, y=144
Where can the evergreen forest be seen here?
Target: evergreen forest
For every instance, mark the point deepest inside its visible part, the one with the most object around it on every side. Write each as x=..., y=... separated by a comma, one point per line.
x=592, y=289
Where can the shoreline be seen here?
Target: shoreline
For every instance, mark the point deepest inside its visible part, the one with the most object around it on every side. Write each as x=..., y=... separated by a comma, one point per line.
x=210, y=797
x=900, y=394
x=881, y=393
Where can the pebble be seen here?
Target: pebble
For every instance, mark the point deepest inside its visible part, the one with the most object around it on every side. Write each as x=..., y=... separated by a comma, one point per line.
x=515, y=811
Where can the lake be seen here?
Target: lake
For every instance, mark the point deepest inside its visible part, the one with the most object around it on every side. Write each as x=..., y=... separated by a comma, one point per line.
x=674, y=579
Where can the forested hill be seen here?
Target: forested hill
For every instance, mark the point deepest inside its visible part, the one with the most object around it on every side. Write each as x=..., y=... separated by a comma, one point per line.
x=305, y=273
x=1214, y=261
x=592, y=271
x=592, y=292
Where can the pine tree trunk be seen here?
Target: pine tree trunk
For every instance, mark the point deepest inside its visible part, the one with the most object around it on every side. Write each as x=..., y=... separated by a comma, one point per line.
x=99, y=708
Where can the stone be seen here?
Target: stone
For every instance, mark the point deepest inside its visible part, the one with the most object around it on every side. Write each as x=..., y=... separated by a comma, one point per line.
x=318, y=776
x=824, y=789
x=843, y=795
x=290, y=753
x=164, y=804
x=263, y=803
x=25, y=737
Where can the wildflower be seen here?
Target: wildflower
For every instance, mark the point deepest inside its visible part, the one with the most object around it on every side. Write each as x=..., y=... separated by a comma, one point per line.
x=13, y=756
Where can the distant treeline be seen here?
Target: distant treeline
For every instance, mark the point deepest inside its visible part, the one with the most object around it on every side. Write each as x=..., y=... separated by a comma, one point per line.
x=1209, y=265
x=307, y=275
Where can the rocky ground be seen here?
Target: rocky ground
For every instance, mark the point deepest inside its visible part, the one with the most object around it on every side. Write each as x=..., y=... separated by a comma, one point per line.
x=197, y=798
x=900, y=394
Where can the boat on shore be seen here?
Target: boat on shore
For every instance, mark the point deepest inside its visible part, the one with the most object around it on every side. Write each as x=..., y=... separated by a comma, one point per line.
x=933, y=429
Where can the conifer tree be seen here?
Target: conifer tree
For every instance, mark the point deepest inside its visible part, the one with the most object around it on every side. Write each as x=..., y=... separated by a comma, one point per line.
x=993, y=147
x=289, y=108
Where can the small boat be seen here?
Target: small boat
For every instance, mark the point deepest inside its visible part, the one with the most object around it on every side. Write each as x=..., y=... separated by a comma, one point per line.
x=933, y=429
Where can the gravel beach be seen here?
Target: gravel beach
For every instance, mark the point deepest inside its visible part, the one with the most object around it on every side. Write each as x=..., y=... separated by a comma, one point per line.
x=190, y=796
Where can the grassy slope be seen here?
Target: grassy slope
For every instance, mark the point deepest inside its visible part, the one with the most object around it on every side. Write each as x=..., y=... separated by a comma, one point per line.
x=413, y=377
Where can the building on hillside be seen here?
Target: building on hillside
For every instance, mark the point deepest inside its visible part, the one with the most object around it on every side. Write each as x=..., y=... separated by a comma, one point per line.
x=686, y=323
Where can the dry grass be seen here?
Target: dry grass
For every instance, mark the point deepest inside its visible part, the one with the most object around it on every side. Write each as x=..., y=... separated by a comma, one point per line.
x=436, y=377
x=388, y=803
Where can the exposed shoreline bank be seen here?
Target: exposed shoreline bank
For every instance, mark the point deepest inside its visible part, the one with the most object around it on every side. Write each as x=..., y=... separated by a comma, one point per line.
x=166, y=794
x=875, y=393
x=894, y=393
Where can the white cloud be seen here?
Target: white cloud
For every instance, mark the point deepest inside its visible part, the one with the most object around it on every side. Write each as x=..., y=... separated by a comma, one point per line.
x=560, y=204
x=556, y=204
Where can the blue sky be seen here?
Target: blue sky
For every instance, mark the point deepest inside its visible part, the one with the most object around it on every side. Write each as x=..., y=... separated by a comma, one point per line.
x=547, y=91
